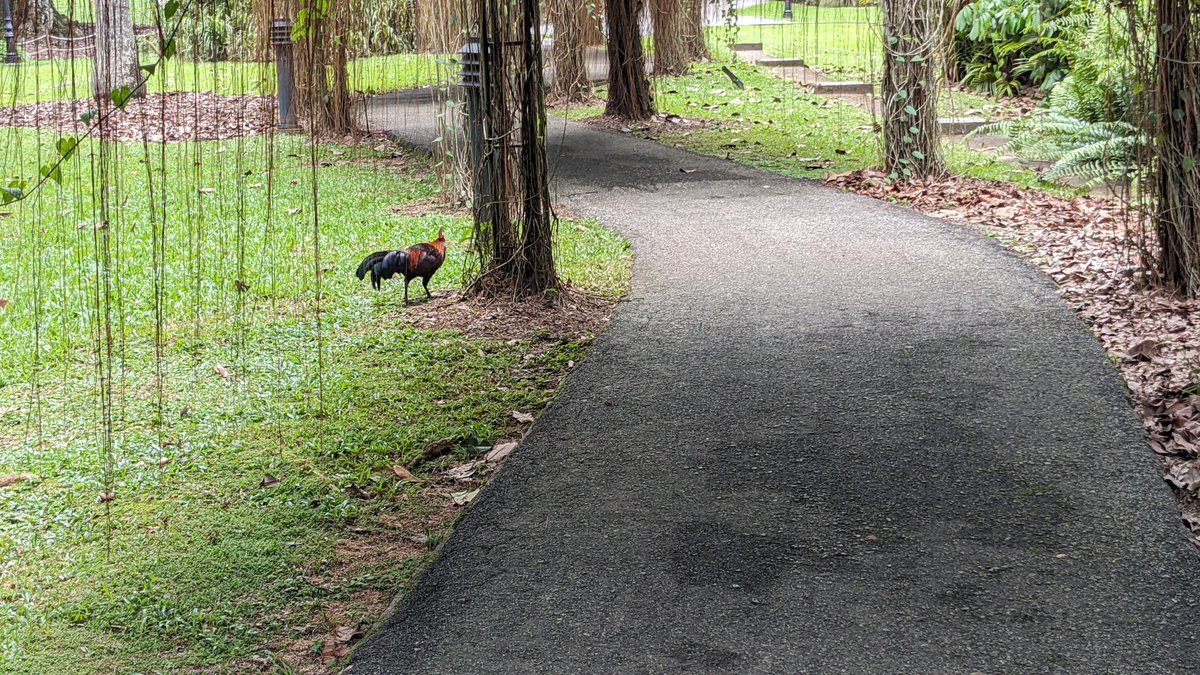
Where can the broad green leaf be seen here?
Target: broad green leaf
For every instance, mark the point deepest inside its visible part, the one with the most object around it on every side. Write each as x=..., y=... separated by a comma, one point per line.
x=120, y=96
x=52, y=172
x=66, y=145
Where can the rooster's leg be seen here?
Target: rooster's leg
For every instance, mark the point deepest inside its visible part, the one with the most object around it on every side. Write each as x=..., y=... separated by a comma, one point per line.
x=406, y=280
x=425, y=283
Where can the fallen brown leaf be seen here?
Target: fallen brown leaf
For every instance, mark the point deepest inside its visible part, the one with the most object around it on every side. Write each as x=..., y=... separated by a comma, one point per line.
x=500, y=451
x=404, y=474
x=464, y=498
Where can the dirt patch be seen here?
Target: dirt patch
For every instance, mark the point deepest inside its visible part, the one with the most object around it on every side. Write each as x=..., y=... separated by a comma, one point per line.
x=182, y=116
x=1084, y=245
x=325, y=633
x=572, y=315
x=651, y=128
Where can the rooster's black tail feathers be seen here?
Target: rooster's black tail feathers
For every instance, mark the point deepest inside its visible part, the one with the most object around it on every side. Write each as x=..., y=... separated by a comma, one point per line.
x=370, y=262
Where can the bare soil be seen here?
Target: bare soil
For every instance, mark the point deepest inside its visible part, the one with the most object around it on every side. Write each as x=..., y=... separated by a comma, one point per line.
x=175, y=117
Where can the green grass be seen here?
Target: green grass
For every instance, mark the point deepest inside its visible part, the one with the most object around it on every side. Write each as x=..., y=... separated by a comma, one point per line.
x=194, y=564
x=773, y=125
x=844, y=42
x=84, y=11
x=64, y=79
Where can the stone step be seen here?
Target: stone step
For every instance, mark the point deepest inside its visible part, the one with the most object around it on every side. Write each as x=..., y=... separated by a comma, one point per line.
x=773, y=62
x=748, y=47
x=834, y=88
x=959, y=126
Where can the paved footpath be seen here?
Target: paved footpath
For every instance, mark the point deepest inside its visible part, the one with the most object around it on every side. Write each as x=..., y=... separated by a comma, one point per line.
x=823, y=434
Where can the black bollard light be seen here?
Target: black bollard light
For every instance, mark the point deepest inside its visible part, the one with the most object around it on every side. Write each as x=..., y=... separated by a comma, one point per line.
x=787, y=9
x=470, y=81
x=10, y=37
x=285, y=77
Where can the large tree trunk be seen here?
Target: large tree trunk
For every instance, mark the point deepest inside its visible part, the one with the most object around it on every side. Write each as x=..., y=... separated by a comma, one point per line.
x=570, y=19
x=1176, y=126
x=513, y=220
x=535, y=272
x=32, y=18
x=912, y=147
x=667, y=19
x=694, y=47
x=116, y=50
x=628, y=91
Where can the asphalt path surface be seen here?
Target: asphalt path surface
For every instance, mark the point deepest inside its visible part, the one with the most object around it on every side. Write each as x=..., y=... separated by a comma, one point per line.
x=822, y=434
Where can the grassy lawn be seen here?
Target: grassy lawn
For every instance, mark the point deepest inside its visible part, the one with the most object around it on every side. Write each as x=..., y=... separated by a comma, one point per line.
x=84, y=11
x=250, y=461
x=61, y=79
x=775, y=126
x=844, y=42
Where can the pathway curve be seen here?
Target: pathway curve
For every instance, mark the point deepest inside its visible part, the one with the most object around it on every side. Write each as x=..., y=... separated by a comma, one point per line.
x=823, y=433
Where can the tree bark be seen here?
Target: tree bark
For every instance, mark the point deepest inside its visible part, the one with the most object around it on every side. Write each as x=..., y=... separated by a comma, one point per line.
x=911, y=32
x=694, y=47
x=570, y=19
x=667, y=19
x=628, y=91
x=116, y=62
x=32, y=18
x=535, y=272
x=950, y=39
x=1176, y=126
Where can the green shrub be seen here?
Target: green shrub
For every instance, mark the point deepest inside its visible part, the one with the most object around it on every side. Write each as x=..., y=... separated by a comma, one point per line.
x=1083, y=127
x=996, y=38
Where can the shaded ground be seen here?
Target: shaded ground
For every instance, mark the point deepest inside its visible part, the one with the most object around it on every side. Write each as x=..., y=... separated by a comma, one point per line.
x=823, y=433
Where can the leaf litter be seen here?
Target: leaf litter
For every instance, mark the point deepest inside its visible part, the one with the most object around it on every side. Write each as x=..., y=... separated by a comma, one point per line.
x=1087, y=246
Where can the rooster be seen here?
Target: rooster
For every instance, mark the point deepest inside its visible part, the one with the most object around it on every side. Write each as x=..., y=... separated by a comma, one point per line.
x=418, y=260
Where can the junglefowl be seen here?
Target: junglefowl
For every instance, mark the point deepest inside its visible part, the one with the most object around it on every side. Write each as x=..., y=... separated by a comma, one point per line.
x=418, y=260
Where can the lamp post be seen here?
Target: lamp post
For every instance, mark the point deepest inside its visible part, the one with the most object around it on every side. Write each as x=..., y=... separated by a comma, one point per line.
x=471, y=82
x=285, y=76
x=787, y=9
x=10, y=38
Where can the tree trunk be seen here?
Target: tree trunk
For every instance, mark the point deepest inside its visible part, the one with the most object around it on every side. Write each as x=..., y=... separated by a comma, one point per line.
x=950, y=39
x=535, y=272
x=694, y=47
x=910, y=127
x=32, y=18
x=667, y=19
x=1176, y=182
x=116, y=51
x=571, y=80
x=628, y=91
